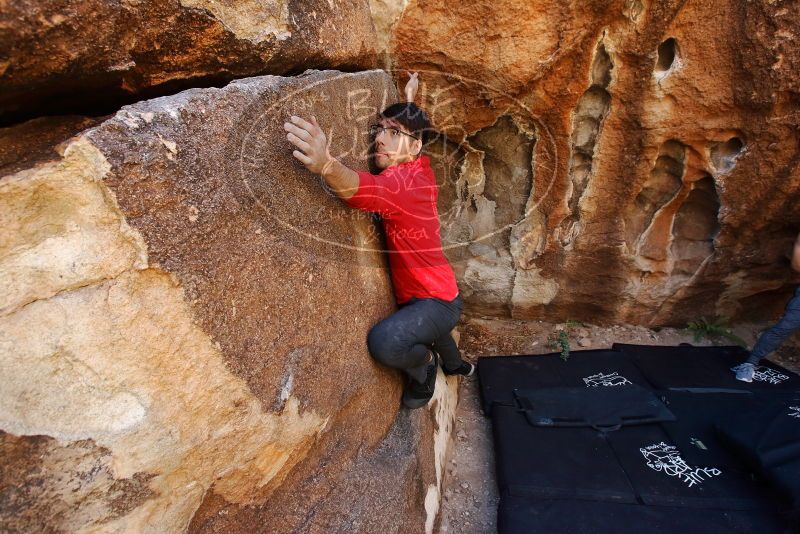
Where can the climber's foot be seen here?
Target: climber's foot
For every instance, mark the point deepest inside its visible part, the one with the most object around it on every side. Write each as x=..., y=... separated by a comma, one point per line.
x=416, y=394
x=745, y=372
x=465, y=369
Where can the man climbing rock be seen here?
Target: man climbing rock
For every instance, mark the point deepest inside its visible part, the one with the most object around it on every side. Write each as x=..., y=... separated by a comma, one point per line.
x=404, y=194
x=772, y=338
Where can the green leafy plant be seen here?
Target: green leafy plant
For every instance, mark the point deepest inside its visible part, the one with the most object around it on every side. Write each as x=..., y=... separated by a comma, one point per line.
x=714, y=329
x=559, y=338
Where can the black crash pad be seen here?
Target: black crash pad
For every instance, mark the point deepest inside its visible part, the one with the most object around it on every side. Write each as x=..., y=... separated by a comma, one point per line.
x=765, y=434
x=597, y=407
x=632, y=464
x=670, y=476
x=574, y=463
x=786, y=479
x=661, y=476
x=704, y=368
x=500, y=375
x=694, y=430
x=522, y=515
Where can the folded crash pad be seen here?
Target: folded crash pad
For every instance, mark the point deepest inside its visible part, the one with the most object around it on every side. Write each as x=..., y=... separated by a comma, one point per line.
x=602, y=408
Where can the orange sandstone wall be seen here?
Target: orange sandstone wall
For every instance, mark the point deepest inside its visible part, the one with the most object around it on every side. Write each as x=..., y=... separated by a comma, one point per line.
x=613, y=161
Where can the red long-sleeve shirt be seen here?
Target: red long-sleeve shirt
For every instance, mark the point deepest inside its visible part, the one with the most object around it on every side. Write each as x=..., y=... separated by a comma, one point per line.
x=405, y=196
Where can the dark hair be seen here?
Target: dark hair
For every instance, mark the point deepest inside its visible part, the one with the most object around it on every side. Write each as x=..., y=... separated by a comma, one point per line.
x=412, y=117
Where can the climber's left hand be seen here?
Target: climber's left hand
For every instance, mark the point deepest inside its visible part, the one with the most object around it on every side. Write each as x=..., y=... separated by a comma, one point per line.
x=311, y=143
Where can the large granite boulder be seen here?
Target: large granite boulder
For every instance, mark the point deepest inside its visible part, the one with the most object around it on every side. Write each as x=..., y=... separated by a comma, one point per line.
x=183, y=320
x=81, y=56
x=614, y=160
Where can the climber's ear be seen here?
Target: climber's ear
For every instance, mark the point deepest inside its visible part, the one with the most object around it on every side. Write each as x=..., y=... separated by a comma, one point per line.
x=416, y=147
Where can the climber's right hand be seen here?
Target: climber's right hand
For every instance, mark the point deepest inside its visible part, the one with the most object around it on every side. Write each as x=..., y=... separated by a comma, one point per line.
x=411, y=87
x=311, y=143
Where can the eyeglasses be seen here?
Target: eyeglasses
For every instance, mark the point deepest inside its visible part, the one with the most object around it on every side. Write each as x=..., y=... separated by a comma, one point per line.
x=375, y=129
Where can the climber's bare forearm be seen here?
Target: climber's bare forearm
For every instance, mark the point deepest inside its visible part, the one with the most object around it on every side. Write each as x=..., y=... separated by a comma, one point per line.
x=340, y=178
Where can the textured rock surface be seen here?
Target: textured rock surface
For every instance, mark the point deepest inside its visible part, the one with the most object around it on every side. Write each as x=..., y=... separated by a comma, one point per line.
x=78, y=55
x=616, y=160
x=385, y=14
x=183, y=322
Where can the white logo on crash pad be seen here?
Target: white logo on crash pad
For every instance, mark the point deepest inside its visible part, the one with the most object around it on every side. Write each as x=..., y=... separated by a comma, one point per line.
x=611, y=379
x=765, y=374
x=771, y=376
x=666, y=459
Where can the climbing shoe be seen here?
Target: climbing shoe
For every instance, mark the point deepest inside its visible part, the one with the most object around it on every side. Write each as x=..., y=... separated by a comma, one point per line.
x=465, y=369
x=745, y=372
x=417, y=395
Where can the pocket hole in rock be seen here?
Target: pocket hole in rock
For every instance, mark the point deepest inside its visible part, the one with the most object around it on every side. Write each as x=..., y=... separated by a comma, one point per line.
x=723, y=155
x=667, y=53
x=664, y=182
x=695, y=226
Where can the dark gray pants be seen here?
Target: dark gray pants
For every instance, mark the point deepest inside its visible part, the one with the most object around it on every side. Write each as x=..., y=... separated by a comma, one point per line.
x=403, y=339
x=772, y=338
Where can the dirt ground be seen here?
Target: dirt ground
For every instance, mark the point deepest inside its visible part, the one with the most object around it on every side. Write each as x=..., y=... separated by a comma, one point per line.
x=469, y=499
